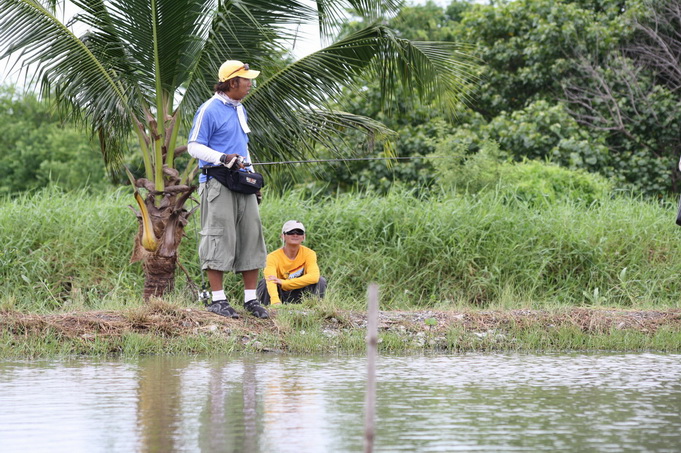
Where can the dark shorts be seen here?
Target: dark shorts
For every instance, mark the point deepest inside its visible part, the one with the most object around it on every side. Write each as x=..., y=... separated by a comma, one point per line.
x=294, y=296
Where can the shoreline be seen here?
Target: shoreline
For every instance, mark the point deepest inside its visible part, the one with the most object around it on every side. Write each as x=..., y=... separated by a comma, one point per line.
x=163, y=328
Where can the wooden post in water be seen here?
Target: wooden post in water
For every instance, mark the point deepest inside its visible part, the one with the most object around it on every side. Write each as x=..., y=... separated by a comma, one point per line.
x=372, y=346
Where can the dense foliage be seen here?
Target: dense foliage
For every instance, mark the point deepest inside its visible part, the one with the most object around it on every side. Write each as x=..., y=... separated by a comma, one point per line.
x=141, y=69
x=559, y=81
x=38, y=149
x=577, y=83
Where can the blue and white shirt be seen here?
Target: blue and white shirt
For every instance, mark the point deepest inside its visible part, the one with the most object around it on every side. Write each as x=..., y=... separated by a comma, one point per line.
x=217, y=125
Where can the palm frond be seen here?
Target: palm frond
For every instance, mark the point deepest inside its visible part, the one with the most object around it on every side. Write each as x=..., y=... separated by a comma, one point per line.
x=67, y=69
x=436, y=71
x=160, y=44
x=332, y=14
x=136, y=54
x=250, y=31
x=308, y=130
x=281, y=103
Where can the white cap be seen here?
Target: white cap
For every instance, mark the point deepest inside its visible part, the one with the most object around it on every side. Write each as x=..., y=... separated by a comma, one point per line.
x=292, y=225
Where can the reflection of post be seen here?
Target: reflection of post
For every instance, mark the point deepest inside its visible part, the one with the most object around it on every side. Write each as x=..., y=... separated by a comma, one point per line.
x=372, y=345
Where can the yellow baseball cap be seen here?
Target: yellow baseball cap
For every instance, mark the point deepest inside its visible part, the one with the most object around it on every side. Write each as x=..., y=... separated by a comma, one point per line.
x=234, y=68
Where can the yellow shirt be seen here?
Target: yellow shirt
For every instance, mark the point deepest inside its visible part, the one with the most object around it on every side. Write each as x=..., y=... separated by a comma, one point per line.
x=296, y=273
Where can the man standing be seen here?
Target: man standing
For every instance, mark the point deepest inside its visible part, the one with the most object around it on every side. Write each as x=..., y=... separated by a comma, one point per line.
x=231, y=231
x=292, y=270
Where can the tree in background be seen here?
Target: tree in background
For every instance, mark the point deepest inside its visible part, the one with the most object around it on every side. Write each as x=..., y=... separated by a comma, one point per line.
x=527, y=46
x=142, y=67
x=631, y=96
x=39, y=149
x=582, y=83
x=418, y=123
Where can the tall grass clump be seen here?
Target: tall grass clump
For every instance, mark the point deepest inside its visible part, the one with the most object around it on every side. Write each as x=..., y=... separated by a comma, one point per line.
x=62, y=248
x=482, y=251
x=447, y=249
x=492, y=248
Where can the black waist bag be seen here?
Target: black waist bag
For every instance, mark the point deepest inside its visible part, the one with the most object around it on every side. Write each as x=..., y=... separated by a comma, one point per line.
x=235, y=180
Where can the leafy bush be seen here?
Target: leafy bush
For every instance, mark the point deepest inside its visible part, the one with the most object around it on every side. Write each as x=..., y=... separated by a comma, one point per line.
x=39, y=150
x=530, y=181
x=538, y=183
x=543, y=130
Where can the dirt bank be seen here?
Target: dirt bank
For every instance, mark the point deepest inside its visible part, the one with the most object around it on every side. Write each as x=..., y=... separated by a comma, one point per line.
x=173, y=321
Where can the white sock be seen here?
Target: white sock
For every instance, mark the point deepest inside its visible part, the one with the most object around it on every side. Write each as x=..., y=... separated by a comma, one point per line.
x=249, y=294
x=219, y=295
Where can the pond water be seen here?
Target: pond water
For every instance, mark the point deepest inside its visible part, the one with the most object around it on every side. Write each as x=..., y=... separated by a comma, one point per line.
x=272, y=403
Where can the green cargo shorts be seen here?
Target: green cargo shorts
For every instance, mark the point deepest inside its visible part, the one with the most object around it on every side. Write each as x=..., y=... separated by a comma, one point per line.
x=232, y=239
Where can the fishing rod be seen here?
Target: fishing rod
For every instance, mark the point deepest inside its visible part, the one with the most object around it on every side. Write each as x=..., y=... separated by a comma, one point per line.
x=347, y=159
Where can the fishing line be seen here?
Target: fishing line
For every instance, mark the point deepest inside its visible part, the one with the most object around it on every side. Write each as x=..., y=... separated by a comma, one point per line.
x=349, y=159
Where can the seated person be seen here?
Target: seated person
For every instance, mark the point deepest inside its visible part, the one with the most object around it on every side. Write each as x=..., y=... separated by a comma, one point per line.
x=291, y=271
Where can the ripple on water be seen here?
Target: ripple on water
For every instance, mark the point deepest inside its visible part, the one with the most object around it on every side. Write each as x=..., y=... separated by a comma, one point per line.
x=430, y=403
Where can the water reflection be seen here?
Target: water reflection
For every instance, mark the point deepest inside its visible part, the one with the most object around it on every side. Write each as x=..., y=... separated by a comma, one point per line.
x=228, y=421
x=158, y=404
x=579, y=402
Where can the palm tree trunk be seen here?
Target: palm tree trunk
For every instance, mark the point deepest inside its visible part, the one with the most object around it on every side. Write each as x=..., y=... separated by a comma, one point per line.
x=159, y=275
x=163, y=227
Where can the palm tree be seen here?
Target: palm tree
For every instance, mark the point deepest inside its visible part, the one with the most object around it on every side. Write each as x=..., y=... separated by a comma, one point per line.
x=141, y=68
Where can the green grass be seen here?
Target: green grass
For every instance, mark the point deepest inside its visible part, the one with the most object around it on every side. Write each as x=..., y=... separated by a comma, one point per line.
x=71, y=251
x=563, y=338
x=66, y=252
x=128, y=345
x=313, y=338
x=479, y=251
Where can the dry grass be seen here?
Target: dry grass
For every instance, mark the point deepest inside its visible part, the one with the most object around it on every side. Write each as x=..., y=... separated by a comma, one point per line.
x=166, y=320
x=585, y=319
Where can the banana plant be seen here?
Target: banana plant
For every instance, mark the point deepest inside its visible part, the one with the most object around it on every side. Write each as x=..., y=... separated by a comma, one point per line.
x=137, y=70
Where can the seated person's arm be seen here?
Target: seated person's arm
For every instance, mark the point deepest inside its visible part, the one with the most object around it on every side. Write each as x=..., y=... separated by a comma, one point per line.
x=271, y=271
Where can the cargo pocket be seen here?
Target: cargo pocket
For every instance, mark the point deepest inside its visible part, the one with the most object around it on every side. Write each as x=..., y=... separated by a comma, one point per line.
x=213, y=187
x=210, y=244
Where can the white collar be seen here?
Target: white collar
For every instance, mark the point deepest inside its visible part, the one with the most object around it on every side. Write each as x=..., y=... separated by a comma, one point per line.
x=226, y=99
